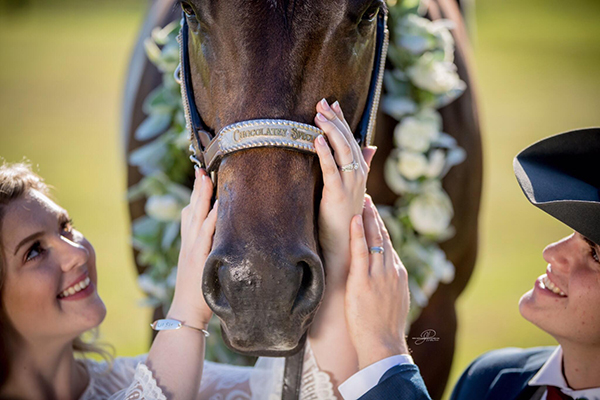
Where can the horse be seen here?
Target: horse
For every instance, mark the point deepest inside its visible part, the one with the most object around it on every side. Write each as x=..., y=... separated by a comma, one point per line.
x=275, y=59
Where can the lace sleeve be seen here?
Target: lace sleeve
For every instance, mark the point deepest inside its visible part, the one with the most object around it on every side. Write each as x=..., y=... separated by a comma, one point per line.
x=219, y=382
x=228, y=382
x=144, y=386
x=267, y=379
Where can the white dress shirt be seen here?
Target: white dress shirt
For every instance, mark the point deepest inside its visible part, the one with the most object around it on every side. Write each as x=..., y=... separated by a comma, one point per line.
x=551, y=375
x=367, y=378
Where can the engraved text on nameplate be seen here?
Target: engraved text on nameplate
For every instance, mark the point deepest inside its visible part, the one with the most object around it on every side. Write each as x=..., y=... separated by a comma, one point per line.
x=295, y=134
x=166, y=324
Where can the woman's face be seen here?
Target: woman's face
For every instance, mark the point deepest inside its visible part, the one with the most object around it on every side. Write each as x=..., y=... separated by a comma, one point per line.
x=49, y=290
x=565, y=302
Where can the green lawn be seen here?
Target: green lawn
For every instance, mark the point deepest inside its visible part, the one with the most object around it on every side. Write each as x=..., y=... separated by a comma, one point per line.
x=61, y=80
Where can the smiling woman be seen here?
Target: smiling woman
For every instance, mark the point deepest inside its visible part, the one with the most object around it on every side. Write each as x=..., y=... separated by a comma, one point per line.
x=49, y=298
x=31, y=225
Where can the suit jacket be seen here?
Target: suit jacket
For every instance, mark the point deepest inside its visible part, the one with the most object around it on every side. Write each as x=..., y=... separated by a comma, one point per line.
x=402, y=382
x=498, y=375
x=502, y=375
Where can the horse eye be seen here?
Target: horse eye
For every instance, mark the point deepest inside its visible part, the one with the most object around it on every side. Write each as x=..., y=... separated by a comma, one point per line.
x=371, y=13
x=188, y=9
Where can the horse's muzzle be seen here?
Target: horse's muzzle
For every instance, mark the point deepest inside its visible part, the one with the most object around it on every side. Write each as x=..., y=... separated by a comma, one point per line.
x=265, y=299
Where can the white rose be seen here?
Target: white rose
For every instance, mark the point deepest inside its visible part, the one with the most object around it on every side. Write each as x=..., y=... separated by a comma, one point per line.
x=415, y=133
x=412, y=165
x=443, y=37
x=442, y=267
x=413, y=25
x=431, y=212
x=394, y=179
x=164, y=208
x=435, y=76
x=437, y=161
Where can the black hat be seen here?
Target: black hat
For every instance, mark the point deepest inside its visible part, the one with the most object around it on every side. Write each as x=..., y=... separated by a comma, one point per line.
x=561, y=176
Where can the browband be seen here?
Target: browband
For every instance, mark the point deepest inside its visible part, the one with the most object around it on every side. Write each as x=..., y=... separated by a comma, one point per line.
x=207, y=151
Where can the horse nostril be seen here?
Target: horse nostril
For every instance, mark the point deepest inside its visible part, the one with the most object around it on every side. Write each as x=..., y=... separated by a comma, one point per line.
x=211, y=286
x=312, y=285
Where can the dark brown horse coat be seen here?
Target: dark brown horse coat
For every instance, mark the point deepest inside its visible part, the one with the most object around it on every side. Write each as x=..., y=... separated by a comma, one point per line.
x=463, y=183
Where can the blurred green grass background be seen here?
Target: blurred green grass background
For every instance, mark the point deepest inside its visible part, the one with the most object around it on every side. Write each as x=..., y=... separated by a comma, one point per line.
x=61, y=79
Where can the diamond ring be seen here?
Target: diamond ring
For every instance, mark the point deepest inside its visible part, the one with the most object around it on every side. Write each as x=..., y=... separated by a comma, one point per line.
x=353, y=166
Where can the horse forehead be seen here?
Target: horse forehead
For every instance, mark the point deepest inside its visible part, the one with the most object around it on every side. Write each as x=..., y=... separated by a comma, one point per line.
x=292, y=13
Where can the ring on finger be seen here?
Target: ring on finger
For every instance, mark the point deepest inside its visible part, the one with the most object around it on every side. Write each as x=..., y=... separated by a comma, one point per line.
x=376, y=249
x=353, y=166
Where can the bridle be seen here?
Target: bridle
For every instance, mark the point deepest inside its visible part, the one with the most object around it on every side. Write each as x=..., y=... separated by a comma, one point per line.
x=208, y=149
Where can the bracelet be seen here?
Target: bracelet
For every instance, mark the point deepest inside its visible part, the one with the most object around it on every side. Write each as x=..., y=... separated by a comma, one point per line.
x=173, y=324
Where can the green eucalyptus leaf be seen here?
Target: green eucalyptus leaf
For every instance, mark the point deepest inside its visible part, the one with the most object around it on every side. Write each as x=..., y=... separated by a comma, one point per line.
x=145, y=226
x=148, y=157
x=158, y=101
x=170, y=234
x=153, y=126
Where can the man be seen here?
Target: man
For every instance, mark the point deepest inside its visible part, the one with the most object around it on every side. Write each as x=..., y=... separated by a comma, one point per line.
x=561, y=176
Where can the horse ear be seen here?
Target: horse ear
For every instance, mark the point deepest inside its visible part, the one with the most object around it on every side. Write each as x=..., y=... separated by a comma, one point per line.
x=369, y=153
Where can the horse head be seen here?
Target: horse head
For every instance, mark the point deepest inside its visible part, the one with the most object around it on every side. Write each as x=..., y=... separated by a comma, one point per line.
x=273, y=59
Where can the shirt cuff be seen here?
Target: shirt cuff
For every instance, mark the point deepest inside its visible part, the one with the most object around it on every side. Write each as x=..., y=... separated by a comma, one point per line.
x=366, y=379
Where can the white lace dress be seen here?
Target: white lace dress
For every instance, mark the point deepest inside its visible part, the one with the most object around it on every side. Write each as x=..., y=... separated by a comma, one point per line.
x=130, y=379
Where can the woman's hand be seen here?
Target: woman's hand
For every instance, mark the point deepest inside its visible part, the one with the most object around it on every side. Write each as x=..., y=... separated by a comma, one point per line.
x=343, y=192
x=197, y=230
x=377, y=296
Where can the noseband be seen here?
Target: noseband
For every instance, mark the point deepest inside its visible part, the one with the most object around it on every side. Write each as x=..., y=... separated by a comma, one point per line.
x=208, y=149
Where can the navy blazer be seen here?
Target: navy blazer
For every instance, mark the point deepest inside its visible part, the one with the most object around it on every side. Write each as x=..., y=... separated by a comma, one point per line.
x=502, y=374
x=498, y=375
x=403, y=381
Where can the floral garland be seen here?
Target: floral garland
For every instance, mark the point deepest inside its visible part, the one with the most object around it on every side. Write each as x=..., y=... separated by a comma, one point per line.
x=424, y=78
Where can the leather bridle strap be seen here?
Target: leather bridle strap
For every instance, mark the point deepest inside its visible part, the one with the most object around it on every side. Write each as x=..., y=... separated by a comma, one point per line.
x=208, y=150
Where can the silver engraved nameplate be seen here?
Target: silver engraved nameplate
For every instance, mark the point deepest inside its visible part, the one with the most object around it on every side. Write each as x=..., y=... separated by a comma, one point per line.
x=266, y=133
x=166, y=325
x=260, y=133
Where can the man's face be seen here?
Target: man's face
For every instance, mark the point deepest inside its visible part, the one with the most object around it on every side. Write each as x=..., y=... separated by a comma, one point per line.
x=565, y=302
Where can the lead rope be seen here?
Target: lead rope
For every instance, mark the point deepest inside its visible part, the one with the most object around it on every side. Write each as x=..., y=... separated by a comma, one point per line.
x=292, y=376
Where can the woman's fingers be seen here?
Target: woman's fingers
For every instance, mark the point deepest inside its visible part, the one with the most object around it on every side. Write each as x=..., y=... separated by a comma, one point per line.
x=359, y=264
x=331, y=176
x=343, y=152
x=207, y=231
x=324, y=108
x=387, y=241
x=340, y=123
x=338, y=112
x=199, y=204
x=197, y=189
x=374, y=236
